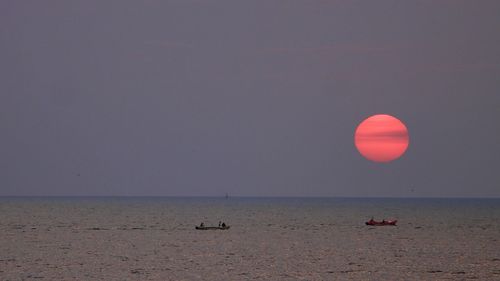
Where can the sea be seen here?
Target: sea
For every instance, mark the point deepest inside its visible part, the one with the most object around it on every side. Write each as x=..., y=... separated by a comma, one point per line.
x=154, y=238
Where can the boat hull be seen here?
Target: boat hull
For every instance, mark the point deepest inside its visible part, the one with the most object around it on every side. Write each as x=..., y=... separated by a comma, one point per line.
x=381, y=223
x=212, y=227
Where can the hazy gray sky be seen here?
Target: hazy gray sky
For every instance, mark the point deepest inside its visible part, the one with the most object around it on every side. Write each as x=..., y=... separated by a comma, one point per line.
x=247, y=97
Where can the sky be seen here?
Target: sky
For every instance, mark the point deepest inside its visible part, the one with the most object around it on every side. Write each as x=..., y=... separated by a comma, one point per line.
x=249, y=98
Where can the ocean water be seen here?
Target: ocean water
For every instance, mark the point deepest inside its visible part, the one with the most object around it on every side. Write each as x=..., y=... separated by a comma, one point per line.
x=269, y=239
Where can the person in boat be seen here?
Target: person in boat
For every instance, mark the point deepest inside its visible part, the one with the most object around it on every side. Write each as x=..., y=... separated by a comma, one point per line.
x=202, y=224
x=223, y=224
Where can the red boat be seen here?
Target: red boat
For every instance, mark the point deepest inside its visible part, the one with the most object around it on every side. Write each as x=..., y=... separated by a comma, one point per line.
x=380, y=223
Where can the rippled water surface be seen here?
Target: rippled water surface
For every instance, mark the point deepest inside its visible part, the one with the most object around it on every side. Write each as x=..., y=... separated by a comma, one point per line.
x=269, y=239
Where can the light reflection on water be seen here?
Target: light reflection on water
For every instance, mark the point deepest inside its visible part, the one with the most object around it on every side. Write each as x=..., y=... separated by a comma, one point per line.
x=270, y=238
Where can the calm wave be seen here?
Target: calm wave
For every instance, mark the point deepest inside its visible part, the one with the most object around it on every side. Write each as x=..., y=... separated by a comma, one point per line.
x=153, y=238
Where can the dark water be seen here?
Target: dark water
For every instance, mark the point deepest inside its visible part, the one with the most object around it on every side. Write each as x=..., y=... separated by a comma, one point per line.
x=118, y=238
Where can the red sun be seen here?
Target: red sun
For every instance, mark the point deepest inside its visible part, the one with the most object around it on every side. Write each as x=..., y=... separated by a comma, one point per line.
x=381, y=138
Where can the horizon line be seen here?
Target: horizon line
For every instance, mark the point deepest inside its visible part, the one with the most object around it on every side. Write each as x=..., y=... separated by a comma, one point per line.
x=249, y=196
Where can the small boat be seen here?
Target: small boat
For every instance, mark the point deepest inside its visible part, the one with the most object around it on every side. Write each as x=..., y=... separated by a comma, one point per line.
x=381, y=223
x=212, y=227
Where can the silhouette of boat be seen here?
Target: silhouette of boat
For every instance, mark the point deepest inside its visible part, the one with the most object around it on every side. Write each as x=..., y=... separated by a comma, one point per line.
x=212, y=227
